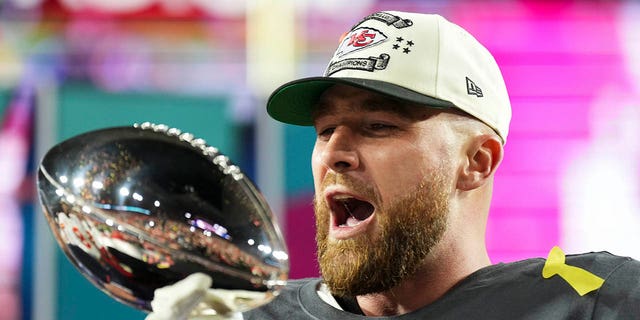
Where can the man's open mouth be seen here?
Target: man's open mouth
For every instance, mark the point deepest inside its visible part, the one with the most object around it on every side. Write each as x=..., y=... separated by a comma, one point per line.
x=350, y=211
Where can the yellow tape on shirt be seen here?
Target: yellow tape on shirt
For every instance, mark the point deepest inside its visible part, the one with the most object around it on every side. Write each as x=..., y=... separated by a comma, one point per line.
x=579, y=279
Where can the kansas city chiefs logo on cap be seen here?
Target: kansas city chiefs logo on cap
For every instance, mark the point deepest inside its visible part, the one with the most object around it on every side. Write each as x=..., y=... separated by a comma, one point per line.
x=359, y=38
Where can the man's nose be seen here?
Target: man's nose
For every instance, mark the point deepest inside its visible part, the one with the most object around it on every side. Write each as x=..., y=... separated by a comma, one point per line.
x=340, y=153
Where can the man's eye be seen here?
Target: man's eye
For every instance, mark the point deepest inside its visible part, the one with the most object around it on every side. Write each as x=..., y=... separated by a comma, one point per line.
x=326, y=132
x=380, y=126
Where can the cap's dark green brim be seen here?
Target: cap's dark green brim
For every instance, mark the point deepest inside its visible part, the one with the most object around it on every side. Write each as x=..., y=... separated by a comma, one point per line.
x=293, y=102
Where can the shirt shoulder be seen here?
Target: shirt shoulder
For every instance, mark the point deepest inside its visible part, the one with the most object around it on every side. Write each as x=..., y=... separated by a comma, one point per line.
x=518, y=290
x=286, y=305
x=602, y=263
x=619, y=296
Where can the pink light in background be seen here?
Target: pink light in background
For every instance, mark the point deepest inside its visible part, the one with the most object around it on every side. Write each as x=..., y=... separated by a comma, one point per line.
x=557, y=58
x=15, y=135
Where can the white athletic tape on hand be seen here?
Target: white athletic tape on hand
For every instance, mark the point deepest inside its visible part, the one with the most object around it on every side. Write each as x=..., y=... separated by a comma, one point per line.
x=175, y=302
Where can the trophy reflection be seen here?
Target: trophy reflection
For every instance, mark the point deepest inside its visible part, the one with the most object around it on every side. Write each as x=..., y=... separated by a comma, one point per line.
x=140, y=208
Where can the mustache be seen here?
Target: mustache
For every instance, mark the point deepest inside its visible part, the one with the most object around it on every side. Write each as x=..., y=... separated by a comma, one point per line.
x=358, y=186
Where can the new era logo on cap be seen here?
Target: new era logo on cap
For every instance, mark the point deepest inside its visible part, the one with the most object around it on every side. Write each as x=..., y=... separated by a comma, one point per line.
x=473, y=89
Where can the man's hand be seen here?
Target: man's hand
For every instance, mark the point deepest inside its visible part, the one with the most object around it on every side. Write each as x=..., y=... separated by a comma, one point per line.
x=179, y=300
x=192, y=298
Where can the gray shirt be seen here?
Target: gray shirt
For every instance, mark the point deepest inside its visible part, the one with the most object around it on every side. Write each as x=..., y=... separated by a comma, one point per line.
x=502, y=291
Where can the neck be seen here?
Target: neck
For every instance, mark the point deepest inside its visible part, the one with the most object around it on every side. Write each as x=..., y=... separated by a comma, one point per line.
x=430, y=282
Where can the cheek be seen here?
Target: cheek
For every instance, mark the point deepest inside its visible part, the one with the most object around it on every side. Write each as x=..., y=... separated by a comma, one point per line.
x=317, y=168
x=405, y=166
x=397, y=170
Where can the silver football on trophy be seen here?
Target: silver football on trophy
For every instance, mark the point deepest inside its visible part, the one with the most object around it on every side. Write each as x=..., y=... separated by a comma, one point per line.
x=140, y=208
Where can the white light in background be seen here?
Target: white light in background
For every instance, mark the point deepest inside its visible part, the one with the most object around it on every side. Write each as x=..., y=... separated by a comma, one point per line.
x=124, y=191
x=264, y=248
x=78, y=182
x=137, y=196
x=280, y=255
x=71, y=199
x=600, y=188
x=97, y=184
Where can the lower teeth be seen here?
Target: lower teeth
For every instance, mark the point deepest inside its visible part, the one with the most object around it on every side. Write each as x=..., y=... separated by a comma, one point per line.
x=352, y=222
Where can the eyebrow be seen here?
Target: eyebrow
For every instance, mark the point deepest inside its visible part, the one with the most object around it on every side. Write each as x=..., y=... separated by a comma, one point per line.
x=371, y=104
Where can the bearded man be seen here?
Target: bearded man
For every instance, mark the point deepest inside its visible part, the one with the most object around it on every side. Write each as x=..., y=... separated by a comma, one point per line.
x=411, y=118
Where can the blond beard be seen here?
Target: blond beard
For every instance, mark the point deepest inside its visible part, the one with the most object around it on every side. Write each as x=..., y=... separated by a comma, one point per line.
x=408, y=228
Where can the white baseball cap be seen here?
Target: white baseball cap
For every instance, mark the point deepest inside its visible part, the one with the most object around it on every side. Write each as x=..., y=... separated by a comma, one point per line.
x=421, y=58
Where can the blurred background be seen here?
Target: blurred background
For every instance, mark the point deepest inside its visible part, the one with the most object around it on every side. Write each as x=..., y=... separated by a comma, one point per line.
x=571, y=174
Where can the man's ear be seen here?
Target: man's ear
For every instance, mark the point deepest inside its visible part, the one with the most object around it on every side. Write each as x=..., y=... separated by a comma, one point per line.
x=484, y=154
